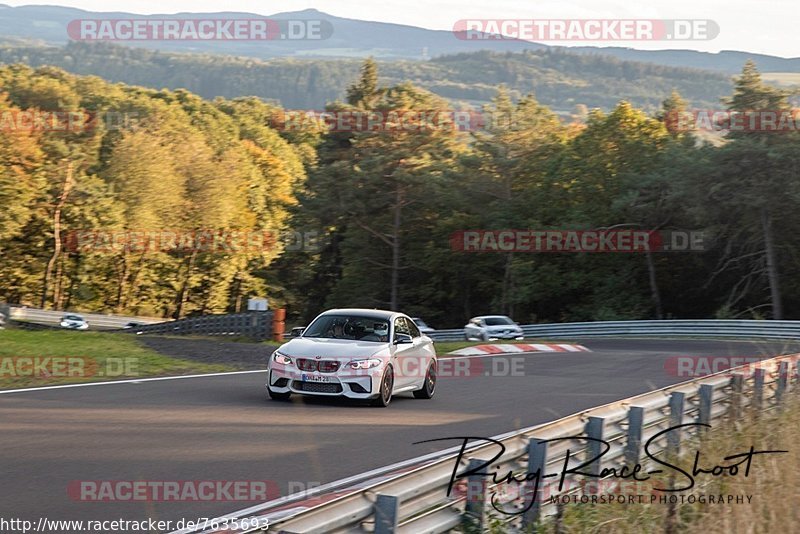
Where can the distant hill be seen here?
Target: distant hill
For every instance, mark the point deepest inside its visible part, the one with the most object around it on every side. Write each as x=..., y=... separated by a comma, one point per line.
x=559, y=79
x=358, y=38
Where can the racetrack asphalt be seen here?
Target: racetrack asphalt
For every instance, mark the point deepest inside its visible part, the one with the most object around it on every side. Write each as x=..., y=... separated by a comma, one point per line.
x=224, y=428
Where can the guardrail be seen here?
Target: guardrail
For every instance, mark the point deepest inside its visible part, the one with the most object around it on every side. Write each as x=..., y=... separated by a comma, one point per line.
x=743, y=328
x=26, y=317
x=255, y=325
x=417, y=500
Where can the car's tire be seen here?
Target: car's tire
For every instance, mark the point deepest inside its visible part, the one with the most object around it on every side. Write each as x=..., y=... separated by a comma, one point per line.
x=429, y=386
x=466, y=337
x=274, y=395
x=484, y=336
x=387, y=385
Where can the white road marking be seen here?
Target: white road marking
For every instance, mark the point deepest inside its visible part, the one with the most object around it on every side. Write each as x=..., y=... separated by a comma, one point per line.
x=131, y=381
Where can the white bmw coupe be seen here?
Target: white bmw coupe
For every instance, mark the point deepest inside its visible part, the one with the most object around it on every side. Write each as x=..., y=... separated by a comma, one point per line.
x=355, y=353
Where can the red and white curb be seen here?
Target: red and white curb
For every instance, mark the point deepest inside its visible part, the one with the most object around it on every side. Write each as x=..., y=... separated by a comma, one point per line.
x=506, y=348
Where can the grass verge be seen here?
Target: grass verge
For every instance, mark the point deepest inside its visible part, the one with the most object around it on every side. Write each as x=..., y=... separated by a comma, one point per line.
x=46, y=358
x=772, y=484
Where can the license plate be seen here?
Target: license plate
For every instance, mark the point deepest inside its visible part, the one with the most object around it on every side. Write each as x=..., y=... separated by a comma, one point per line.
x=314, y=378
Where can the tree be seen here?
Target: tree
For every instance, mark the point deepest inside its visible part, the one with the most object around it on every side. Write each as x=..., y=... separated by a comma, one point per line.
x=757, y=182
x=365, y=93
x=506, y=173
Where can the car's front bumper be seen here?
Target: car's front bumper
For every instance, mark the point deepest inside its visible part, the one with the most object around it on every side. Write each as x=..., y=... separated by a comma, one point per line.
x=363, y=384
x=505, y=335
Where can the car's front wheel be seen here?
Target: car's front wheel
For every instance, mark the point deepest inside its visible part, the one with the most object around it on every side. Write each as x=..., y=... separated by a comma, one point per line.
x=429, y=387
x=387, y=385
x=274, y=395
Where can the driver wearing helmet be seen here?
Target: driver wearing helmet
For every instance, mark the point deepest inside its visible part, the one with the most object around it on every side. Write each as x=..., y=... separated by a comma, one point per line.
x=337, y=330
x=382, y=331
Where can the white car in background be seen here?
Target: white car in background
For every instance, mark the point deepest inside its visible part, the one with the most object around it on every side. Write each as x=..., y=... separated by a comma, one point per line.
x=74, y=322
x=358, y=354
x=488, y=327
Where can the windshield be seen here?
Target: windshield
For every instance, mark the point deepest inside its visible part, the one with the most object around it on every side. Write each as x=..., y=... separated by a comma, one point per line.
x=498, y=321
x=72, y=318
x=354, y=327
x=420, y=323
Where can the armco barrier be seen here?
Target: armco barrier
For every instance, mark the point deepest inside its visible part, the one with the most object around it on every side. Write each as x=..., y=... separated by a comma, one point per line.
x=416, y=500
x=27, y=317
x=255, y=325
x=733, y=328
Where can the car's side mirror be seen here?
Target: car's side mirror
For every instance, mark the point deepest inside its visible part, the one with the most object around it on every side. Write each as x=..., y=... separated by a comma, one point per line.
x=401, y=339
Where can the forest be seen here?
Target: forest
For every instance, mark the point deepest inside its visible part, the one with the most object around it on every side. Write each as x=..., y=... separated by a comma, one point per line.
x=383, y=207
x=562, y=80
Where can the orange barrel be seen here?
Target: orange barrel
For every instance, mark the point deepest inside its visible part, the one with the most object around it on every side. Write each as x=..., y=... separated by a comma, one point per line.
x=278, y=324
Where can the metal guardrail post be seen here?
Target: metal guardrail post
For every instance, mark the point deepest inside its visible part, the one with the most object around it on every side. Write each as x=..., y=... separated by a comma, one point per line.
x=783, y=381
x=758, y=388
x=797, y=375
x=706, y=402
x=537, y=460
x=737, y=384
x=387, y=508
x=633, y=445
x=476, y=495
x=677, y=400
x=594, y=429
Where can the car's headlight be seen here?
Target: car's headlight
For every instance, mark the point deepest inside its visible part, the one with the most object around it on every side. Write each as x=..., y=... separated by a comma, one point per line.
x=365, y=364
x=282, y=359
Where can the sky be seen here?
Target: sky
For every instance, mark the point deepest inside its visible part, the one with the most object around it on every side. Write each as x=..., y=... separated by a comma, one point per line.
x=766, y=26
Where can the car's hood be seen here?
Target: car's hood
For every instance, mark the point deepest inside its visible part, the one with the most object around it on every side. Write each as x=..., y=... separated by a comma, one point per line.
x=331, y=348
